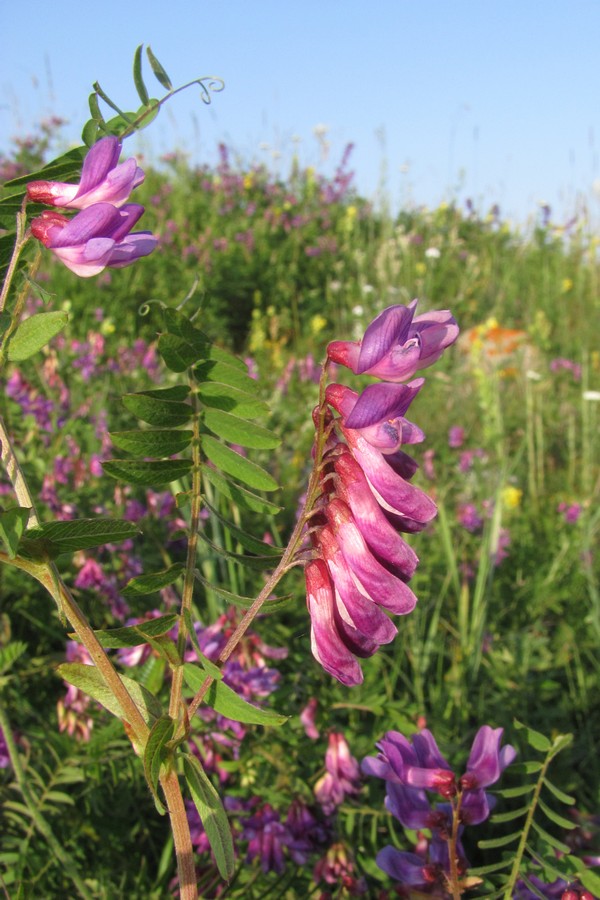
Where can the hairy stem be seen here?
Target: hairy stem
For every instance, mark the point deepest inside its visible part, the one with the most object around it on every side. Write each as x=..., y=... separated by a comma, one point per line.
x=181, y=836
x=452, y=850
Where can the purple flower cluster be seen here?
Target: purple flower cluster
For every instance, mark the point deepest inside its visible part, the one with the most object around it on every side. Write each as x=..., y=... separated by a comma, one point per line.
x=342, y=775
x=410, y=769
x=360, y=562
x=100, y=234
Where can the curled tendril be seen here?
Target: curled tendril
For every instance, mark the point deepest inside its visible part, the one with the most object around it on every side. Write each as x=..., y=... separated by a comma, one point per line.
x=144, y=309
x=209, y=84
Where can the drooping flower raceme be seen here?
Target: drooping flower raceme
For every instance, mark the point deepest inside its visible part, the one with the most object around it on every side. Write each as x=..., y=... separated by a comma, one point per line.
x=413, y=767
x=103, y=180
x=360, y=564
x=97, y=237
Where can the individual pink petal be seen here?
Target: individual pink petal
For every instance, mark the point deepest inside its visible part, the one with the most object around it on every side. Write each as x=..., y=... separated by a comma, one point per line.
x=377, y=530
x=377, y=582
x=327, y=646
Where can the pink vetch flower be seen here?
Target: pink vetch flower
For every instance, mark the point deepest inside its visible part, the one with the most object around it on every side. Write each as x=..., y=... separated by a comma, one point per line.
x=97, y=237
x=342, y=776
x=396, y=344
x=378, y=413
x=103, y=180
x=308, y=716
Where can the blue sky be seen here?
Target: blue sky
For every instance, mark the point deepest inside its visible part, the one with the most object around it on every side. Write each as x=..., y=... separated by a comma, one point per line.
x=496, y=101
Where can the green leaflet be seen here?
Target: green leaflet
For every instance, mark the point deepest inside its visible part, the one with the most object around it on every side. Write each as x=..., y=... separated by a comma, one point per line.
x=177, y=353
x=142, y=585
x=225, y=701
x=234, y=464
x=223, y=372
x=239, y=431
x=66, y=168
x=133, y=635
x=158, y=70
x=147, y=472
x=237, y=493
x=13, y=523
x=155, y=753
x=54, y=538
x=217, y=395
x=534, y=738
x=213, y=816
x=34, y=333
x=89, y=680
x=152, y=442
x=248, y=541
x=138, y=79
x=167, y=411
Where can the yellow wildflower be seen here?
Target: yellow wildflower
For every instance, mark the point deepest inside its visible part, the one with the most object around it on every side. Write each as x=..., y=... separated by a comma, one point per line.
x=511, y=497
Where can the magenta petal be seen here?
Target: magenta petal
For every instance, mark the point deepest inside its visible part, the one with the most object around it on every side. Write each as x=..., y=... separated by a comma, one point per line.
x=394, y=493
x=377, y=582
x=326, y=644
x=407, y=869
x=101, y=158
x=95, y=221
x=383, y=401
x=127, y=216
x=379, y=533
x=357, y=612
x=132, y=247
x=390, y=327
x=486, y=763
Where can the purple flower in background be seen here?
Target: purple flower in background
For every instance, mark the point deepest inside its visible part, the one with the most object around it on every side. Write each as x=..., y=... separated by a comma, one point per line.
x=396, y=344
x=342, y=776
x=102, y=180
x=97, y=237
x=456, y=437
x=4, y=757
x=469, y=518
x=570, y=512
x=267, y=836
x=307, y=717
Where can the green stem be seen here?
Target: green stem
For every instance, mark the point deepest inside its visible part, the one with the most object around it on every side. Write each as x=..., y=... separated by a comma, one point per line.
x=21, y=238
x=452, y=851
x=514, y=873
x=287, y=560
x=184, y=851
x=47, y=574
x=37, y=818
x=190, y=566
